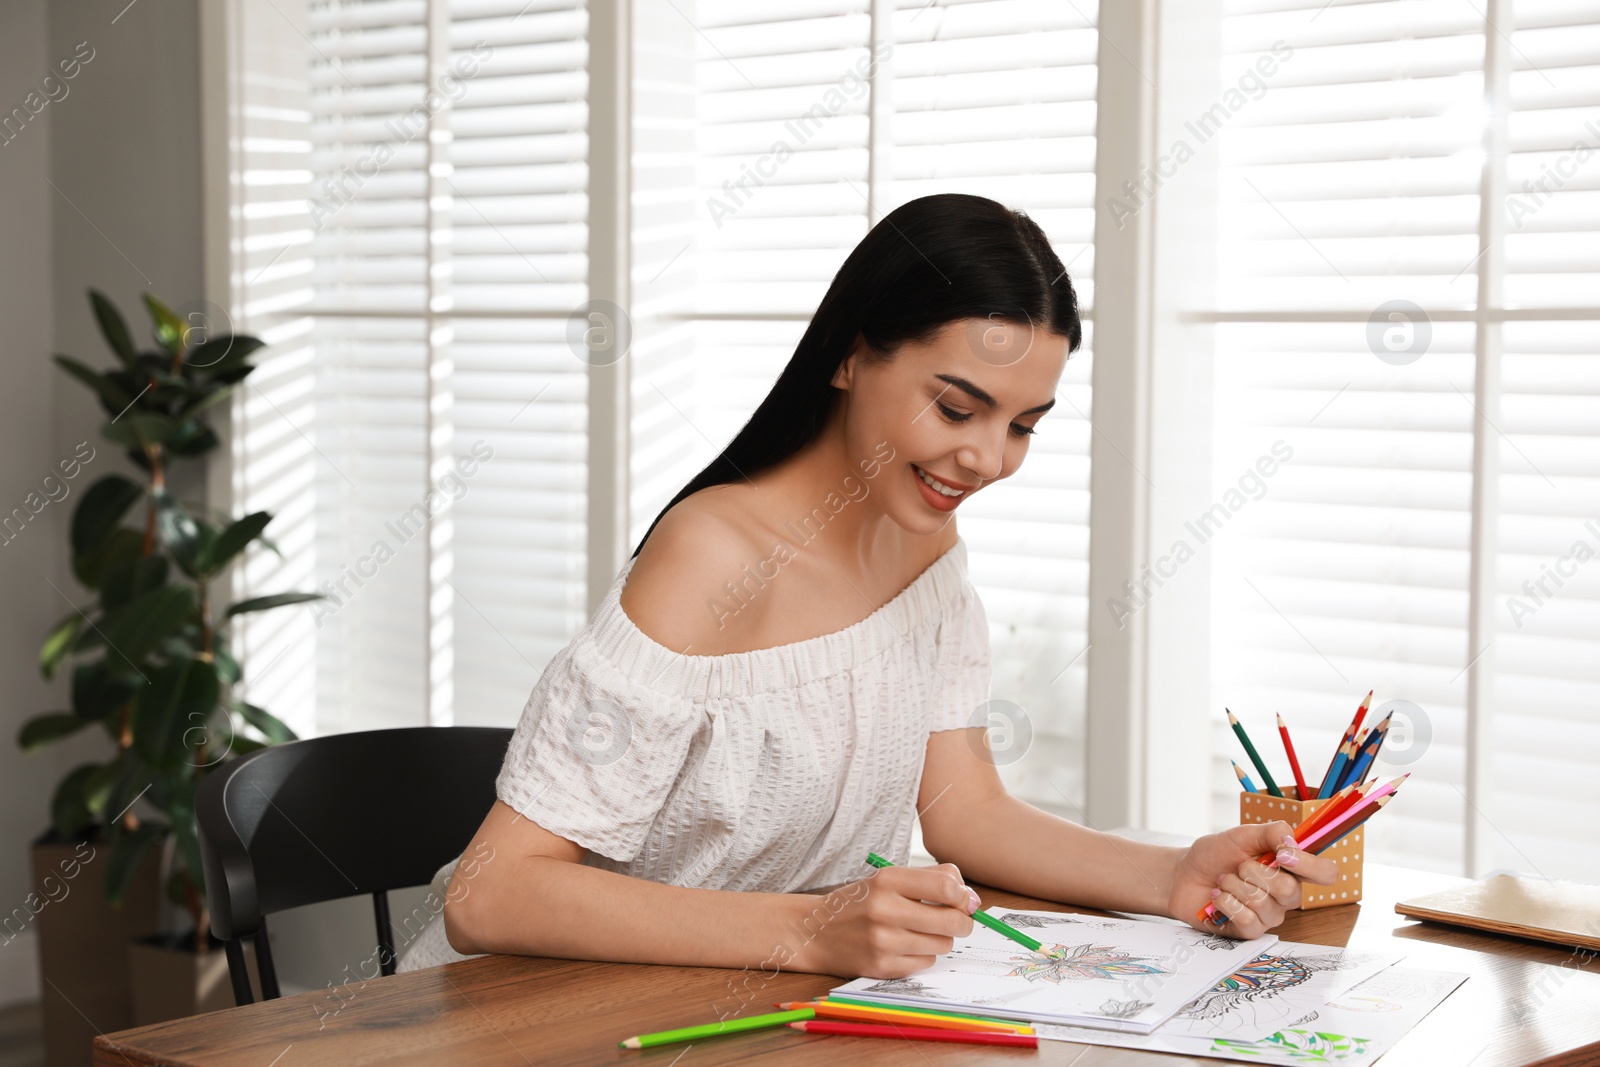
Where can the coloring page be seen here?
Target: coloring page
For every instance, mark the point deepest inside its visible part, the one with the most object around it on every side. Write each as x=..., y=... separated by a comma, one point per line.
x=1274, y=990
x=1124, y=974
x=1353, y=1028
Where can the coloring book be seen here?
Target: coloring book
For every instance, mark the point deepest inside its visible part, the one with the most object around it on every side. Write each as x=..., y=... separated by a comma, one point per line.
x=1129, y=975
x=1273, y=990
x=1353, y=1028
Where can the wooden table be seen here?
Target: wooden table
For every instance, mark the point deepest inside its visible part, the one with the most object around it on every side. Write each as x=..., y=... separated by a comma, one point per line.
x=1524, y=1003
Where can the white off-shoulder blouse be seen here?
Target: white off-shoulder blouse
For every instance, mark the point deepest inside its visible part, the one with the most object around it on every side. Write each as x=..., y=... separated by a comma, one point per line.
x=774, y=770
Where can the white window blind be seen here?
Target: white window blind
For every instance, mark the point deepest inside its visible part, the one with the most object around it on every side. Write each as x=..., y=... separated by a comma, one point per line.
x=998, y=99
x=993, y=98
x=1353, y=182
x=414, y=190
x=1547, y=645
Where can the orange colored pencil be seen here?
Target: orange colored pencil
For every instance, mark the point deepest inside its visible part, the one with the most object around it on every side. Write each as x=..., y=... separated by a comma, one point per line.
x=916, y=1033
x=1294, y=763
x=830, y=1009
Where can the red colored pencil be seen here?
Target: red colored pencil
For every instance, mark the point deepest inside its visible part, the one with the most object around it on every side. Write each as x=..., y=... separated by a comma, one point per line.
x=916, y=1033
x=1294, y=763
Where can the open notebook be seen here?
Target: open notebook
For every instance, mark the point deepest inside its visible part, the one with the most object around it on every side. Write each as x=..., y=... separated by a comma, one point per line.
x=1129, y=975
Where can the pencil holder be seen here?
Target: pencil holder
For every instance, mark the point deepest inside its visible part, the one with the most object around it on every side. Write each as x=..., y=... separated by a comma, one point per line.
x=1264, y=807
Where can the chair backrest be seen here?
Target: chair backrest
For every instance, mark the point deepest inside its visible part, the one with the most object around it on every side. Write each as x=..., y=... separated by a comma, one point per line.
x=337, y=816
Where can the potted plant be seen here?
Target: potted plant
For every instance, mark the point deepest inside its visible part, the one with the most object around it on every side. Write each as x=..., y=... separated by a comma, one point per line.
x=149, y=655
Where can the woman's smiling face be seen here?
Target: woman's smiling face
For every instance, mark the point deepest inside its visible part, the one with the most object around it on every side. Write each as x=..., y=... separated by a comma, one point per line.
x=959, y=410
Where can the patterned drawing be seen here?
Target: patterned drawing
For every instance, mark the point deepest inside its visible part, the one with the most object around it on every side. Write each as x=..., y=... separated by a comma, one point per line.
x=908, y=986
x=1052, y=963
x=1301, y=1046
x=1216, y=942
x=1039, y=922
x=1264, y=977
x=1124, y=1009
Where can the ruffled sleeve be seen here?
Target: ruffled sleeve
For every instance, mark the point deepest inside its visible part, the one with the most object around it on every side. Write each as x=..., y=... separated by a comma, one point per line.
x=596, y=753
x=962, y=684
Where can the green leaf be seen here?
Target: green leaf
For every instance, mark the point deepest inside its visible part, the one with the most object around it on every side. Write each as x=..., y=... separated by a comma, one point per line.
x=180, y=808
x=140, y=429
x=272, y=728
x=188, y=540
x=129, y=578
x=96, y=692
x=276, y=600
x=122, y=547
x=100, y=510
x=192, y=438
x=112, y=396
x=43, y=729
x=114, y=787
x=166, y=713
x=139, y=626
x=235, y=538
x=223, y=354
x=69, y=809
x=169, y=329
x=227, y=667
x=128, y=850
x=59, y=643
x=205, y=398
x=113, y=327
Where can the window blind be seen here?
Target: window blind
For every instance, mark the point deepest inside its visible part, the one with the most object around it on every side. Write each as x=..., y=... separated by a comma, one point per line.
x=989, y=98
x=414, y=191
x=998, y=99
x=1547, y=644
x=1351, y=184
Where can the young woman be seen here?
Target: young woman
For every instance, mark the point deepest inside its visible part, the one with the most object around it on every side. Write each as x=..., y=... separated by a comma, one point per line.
x=786, y=673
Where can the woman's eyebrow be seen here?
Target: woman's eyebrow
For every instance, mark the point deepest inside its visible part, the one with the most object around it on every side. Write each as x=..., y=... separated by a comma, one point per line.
x=979, y=394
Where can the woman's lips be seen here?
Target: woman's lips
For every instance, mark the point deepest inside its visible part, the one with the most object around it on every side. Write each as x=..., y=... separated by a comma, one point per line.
x=935, y=499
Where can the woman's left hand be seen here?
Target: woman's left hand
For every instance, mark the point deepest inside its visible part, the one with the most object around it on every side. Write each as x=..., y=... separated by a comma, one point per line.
x=1223, y=869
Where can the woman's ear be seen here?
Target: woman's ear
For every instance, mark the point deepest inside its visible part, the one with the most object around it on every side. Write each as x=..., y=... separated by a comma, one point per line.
x=844, y=374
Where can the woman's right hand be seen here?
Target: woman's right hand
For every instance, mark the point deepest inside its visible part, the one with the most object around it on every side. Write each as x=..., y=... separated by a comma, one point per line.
x=880, y=927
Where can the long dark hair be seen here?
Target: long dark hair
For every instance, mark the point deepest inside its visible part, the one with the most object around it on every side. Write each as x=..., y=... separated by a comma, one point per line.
x=931, y=261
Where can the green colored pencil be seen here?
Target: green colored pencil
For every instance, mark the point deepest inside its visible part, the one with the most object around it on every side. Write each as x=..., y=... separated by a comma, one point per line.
x=978, y=916
x=1255, y=757
x=727, y=1026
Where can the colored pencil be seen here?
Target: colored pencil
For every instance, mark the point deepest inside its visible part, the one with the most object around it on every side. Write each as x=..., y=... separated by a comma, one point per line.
x=978, y=916
x=1255, y=757
x=1244, y=779
x=1341, y=760
x=856, y=1000
x=1328, y=837
x=727, y=1026
x=1313, y=835
x=1294, y=763
x=832, y=1009
x=916, y=1033
x=1369, y=751
x=1326, y=787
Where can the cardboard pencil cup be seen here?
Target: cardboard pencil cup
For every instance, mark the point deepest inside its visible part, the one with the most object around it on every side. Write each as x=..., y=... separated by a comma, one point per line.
x=1264, y=807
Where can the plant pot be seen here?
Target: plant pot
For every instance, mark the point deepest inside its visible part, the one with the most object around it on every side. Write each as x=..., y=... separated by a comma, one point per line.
x=82, y=942
x=173, y=981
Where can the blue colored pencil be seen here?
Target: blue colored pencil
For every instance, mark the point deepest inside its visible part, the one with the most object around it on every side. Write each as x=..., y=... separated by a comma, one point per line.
x=1244, y=779
x=1369, y=751
x=1330, y=785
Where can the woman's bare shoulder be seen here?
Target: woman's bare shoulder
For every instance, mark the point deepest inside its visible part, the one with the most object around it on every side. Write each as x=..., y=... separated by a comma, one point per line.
x=678, y=579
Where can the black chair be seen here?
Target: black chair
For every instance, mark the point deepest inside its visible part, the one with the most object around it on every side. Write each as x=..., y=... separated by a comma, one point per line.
x=333, y=817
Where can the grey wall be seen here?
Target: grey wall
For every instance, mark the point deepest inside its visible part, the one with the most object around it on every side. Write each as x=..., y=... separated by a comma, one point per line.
x=26, y=415
x=123, y=149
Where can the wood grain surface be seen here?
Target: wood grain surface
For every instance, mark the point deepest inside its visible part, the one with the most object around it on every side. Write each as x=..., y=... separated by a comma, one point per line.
x=1525, y=1003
